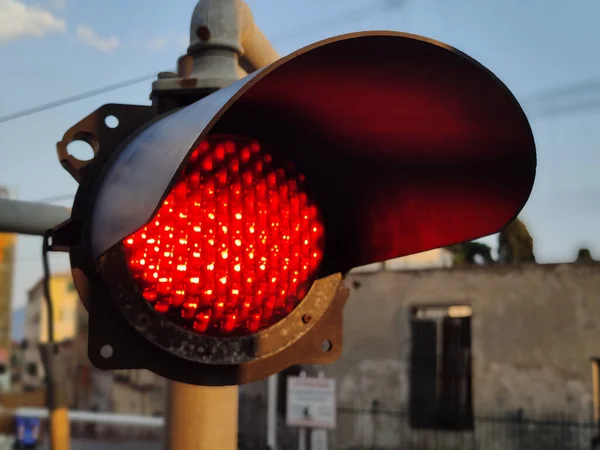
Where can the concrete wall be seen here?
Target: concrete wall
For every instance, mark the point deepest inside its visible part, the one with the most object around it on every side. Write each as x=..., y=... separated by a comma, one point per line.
x=534, y=329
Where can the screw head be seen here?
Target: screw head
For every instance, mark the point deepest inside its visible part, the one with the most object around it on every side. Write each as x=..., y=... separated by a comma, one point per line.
x=306, y=318
x=106, y=351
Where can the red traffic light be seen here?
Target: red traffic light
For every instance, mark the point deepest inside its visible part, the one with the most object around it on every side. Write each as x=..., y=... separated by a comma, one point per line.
x=235, y=245
x=356, y=149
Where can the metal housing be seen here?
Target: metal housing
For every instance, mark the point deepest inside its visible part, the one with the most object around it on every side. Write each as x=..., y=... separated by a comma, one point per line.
x=404, y=151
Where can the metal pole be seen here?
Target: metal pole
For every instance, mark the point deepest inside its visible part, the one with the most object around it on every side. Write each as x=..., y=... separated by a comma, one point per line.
x=201, y=418
x=257, y=50
x=302, y=439
x=302, y=431
x=596, y=401
x=596, y=390
x=32, y=218
x=56, y=396
x=272, y=412
x=225, y=44
x=56, y=374
x=319, y=437
x=222, y=33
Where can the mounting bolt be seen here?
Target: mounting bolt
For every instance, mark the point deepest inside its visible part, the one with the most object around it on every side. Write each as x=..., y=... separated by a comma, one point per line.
x=106, y=351
x=306, y=318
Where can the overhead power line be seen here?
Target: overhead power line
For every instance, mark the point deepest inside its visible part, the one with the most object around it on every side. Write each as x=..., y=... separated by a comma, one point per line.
x=557, y=111
x=575, y=89
x=75, y=98
x=56, y=198
x=568, y=90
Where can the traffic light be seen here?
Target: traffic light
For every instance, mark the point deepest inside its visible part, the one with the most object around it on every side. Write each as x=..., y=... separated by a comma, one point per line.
x=209, y=242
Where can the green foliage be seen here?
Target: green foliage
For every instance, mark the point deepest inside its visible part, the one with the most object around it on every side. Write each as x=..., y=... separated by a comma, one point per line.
x=584, y=255
x=467, y=252
x=515, y=244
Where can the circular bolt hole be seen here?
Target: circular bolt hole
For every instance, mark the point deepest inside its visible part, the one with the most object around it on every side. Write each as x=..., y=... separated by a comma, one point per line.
x=306, y=318
x=111, y=121
x=106, y=351
x=203, y=33
x=326, y=346
x=81, y=150
x=143, y=320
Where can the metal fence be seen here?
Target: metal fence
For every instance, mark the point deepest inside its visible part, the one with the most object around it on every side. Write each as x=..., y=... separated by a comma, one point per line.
x=371, y=429
x=376, y=429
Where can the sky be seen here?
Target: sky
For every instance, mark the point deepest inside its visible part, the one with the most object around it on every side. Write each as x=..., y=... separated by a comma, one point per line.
x=541, y=49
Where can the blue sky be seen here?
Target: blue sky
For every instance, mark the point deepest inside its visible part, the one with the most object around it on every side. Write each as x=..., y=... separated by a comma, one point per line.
x=50, y=49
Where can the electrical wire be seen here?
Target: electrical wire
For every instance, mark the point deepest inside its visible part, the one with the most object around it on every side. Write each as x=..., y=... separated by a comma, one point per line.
x=568, y=90
x=77, y=97
x=56, y=198
x=47, y=295
x=558, y=111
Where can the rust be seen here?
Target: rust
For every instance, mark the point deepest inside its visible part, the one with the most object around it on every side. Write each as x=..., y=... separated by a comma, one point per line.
x=188, y=82
x=103, y=140
x=203, y=33
x=207, y=349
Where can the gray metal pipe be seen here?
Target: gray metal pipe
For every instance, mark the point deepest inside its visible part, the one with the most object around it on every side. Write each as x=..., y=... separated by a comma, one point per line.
x=225, y=45
x=257, y=50
x=229, y=24
x=31, y=218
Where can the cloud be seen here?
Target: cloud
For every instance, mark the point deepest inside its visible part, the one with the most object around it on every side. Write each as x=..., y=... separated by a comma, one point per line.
x=89, y=37
x=158, y=43
x=61, y=4
x=20, y=20
x=161, y=43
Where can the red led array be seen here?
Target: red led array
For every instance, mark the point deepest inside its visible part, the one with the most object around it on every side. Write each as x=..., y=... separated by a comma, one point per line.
x=235, y=246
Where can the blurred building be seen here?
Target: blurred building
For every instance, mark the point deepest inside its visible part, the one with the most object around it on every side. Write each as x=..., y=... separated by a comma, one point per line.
x=462, y=351
x=17, y=366
x=70, y=319
x=128, y=392
x=7, y=250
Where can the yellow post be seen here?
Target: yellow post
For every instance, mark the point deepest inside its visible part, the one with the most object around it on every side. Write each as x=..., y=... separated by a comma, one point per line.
x=201, y=417
x=60, y=438
x=57, y=399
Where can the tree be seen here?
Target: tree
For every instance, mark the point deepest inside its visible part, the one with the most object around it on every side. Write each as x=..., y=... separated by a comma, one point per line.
x=584, y=255
x=468, y=253
x=515, y=244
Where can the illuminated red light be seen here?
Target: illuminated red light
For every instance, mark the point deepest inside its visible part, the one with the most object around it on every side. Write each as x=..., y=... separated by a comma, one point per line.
x=235, y=246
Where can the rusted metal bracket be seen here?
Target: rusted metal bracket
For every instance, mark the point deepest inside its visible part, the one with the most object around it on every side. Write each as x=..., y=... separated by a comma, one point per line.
x=311, y=334
x=102, y=135
x=104, y=141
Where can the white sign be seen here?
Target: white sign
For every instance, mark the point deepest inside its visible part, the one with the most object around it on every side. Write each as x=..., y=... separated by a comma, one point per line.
x=311, y=402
